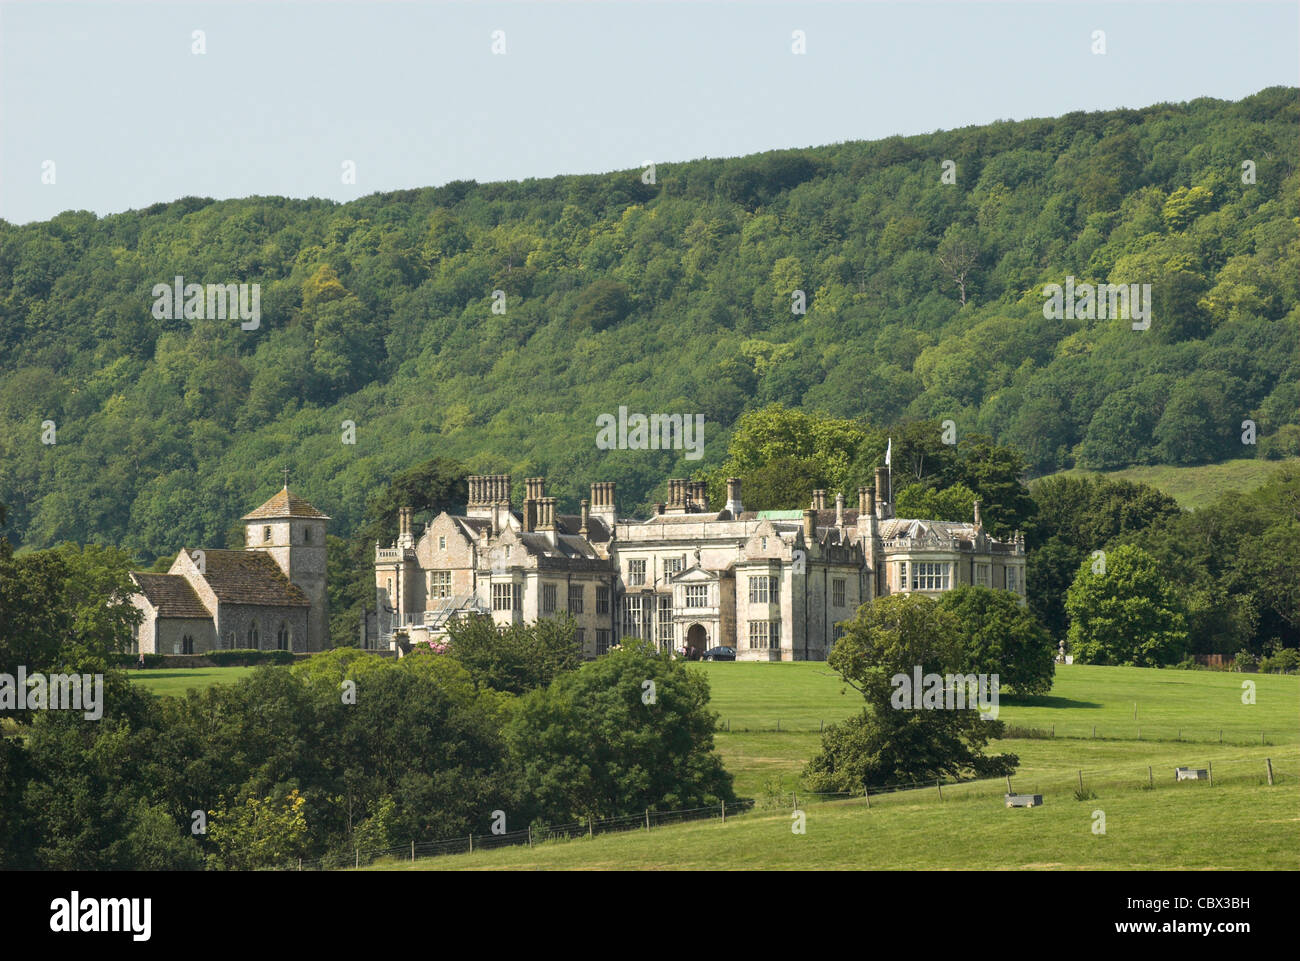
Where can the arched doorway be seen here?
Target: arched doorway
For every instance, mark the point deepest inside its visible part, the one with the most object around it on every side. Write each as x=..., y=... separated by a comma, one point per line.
x=697, y=639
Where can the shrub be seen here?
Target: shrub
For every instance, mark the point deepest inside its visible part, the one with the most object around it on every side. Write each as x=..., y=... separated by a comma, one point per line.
x=244, y=658
x=131, y=660
x=1244, y=661
x=1285, y=661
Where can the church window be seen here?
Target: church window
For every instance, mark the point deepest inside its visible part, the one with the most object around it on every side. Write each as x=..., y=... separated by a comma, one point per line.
x=253, y=637
x=230, y=640
x=187, y=644
x=282, y=637
x=306, y=535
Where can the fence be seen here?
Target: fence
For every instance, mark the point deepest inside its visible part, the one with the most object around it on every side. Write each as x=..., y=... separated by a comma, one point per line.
x=1238, y=736
x=529, y=836
x=1055, y=784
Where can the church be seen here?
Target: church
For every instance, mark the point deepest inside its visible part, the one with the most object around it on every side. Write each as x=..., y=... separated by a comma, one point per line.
x=770, y=585
x=269, y=596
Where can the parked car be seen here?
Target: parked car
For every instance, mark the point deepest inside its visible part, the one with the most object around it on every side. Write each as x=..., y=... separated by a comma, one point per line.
x=719, y=654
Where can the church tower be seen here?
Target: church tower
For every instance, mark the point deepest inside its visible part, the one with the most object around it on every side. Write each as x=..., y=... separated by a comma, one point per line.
x=292, y=531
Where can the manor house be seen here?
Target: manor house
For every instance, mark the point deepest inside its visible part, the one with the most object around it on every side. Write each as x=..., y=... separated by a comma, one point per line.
x=772, y=585
x=271, y=595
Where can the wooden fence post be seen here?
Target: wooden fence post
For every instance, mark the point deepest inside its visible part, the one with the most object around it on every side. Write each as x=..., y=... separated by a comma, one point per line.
x=647, y=819
x=1269, y=762
x=471, y=842
x=1009, y=791
x=724, y=812
x=1151, y=777
x=1210, y=770
x=1080, y=780
x=357, y=862
x=530, y=836
x=939, y=785
x=412, y=851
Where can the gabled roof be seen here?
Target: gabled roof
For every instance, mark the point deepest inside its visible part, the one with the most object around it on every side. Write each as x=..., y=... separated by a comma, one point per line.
x=250, y=577
x=170, y=595
x=284, y=504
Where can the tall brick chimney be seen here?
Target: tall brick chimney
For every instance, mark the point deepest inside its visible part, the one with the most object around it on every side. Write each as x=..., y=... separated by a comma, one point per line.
x=809, y=526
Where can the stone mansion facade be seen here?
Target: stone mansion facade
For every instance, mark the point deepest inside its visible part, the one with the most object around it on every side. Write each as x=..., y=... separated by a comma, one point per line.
x=772, y=585
x=271, y=595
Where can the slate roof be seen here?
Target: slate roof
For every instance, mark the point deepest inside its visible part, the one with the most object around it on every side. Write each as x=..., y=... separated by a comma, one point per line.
x=284, y=504
x=170, y=595
x=250, y=577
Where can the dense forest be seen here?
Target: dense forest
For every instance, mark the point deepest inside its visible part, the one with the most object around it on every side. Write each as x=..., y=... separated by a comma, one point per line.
x=673, y=291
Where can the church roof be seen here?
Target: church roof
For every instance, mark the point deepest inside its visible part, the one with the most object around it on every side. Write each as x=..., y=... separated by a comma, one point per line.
x=250, y=577
x=284, y=504
x=170, y=595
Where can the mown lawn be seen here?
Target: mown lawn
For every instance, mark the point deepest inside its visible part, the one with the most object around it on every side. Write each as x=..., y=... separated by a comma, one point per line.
x=162, y=681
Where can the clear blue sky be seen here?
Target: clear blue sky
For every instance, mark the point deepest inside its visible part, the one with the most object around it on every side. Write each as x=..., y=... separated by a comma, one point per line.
x=412, y=93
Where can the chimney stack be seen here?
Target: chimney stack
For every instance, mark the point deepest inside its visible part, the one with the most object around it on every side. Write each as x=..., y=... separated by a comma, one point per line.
x=676, y=495
x=979, y=525
x=532, y=504
x=584, y=515
x=809, y=526
x=546, y=514
x=698, y=495
x=819, y=500
x=882, y=481
x=734, y=506
x=602, y=502
x=864, y=501
x=404, y=537
x=839, y=509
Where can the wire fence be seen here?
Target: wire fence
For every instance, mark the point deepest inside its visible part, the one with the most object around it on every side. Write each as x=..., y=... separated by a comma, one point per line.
x=1056, y=784
x=1237, y=736
x=1079, y=784
x=530, y=836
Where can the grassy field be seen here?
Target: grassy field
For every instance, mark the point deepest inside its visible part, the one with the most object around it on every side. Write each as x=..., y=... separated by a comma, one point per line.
x=1152, y=821
x=1239, y=824
x=1127, y=772
x=178, y=682
x=1180, y=714
x=1195, y=487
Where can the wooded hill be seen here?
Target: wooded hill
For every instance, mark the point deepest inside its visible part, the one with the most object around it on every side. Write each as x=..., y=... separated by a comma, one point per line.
x=666, y=297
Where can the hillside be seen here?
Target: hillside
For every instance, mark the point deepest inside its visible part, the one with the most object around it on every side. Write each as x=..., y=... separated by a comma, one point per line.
x=1194, y=487
x=924, y=300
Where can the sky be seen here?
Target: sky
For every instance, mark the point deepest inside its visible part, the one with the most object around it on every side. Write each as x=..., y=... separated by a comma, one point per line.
x=107, y=106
